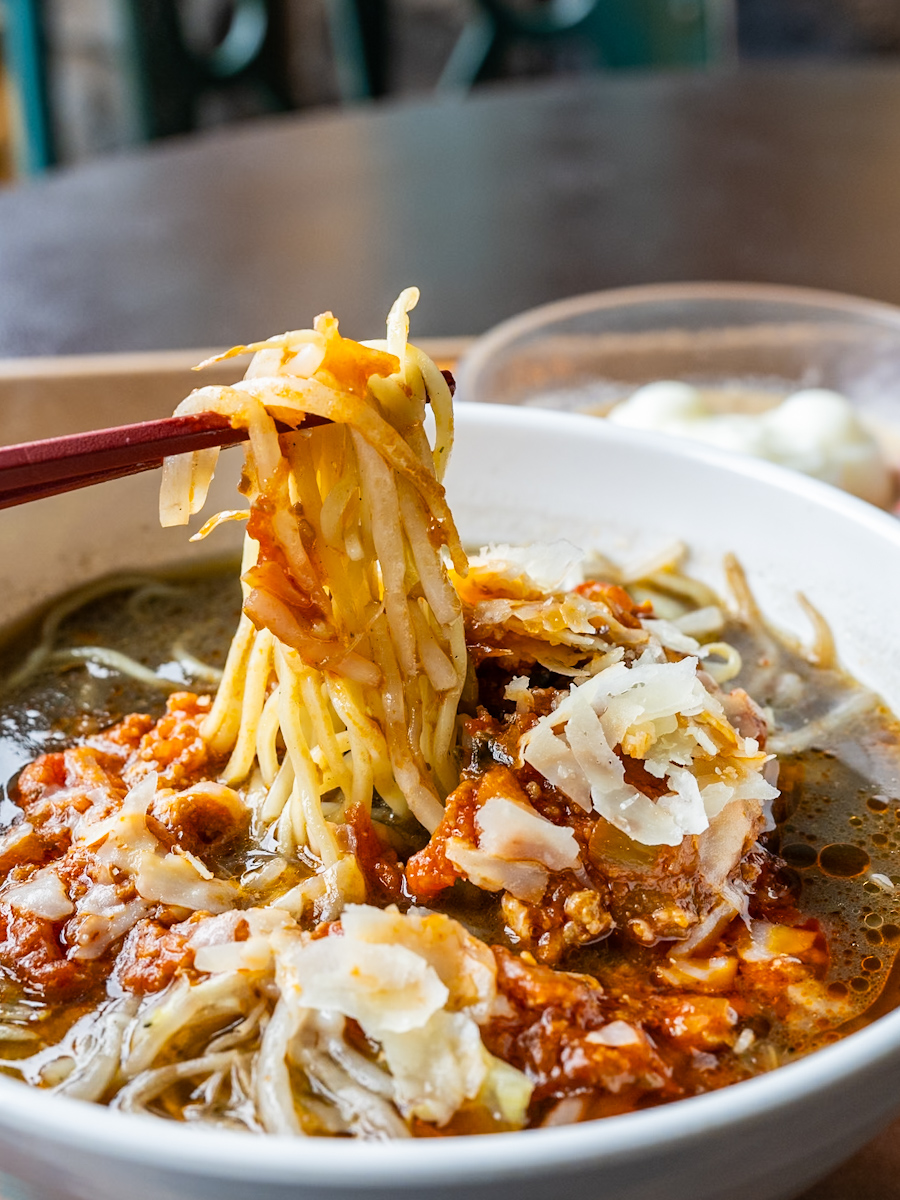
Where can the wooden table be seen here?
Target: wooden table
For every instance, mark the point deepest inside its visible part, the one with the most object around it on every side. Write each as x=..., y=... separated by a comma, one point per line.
x=491, y=204
x=505, y=200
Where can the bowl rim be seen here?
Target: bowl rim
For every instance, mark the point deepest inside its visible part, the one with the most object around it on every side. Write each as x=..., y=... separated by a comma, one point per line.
x=479, y=353
x=90, y=1129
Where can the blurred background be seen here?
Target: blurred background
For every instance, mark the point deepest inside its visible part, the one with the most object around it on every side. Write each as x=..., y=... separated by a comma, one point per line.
x=85, y=77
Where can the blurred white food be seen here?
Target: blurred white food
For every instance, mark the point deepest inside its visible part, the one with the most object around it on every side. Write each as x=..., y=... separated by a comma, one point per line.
x=814, y=431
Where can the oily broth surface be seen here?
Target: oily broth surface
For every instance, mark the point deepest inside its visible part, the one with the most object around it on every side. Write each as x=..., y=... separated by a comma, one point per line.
x=194, y=610
x=839, y=812
x=843, y=793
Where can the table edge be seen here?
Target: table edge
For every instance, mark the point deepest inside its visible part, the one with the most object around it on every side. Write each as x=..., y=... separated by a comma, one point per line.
x=444, y=350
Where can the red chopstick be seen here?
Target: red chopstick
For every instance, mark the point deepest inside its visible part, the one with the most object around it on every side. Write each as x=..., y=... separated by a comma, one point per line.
x=33, y=470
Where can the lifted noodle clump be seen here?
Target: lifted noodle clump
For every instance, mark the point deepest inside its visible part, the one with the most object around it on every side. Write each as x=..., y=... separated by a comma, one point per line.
x=347, y=604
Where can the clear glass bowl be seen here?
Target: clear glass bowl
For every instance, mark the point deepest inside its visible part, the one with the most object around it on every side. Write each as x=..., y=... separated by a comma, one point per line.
x=749, y=345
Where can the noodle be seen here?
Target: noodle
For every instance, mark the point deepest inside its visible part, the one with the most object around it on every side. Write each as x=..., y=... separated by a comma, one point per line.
x=369, y=482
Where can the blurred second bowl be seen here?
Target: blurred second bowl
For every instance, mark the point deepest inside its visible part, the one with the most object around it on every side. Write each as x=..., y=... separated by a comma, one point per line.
x=741, y=348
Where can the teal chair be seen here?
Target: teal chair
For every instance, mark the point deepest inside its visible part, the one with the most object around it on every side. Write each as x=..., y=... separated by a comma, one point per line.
x=359, y=31
x=607, y=33
x=167, y=77
x=25, y=54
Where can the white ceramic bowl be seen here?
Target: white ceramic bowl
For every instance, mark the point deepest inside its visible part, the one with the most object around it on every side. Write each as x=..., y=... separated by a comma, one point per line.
x=518, y=474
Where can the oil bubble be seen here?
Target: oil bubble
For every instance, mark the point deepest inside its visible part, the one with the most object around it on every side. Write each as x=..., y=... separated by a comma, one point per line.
x=843, y=861
x=871, y=963
x=799, y=855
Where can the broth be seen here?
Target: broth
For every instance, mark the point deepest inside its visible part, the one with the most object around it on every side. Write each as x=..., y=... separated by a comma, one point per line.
x=838, y=830
x=155, y=621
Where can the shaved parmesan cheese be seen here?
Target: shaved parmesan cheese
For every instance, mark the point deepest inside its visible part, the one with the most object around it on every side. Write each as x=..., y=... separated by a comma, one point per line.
x=174, y=880
x=418, y=984
x=215, y=944
x=385, y=993
x=657, y=712
x=255, y=954
x=125, y=832
x=684, y=803
x=616, y=1033
x=542, y=749
x=715, y=797
x=518, y=689
x=668, y=634
x=214, y=931
x=714, y=974
x=525, y=880
x=125, y=836
x=464, y=964
x=535, y=569
x=881, y=881
x=511, y=830
x=438, y=1067
x=43, y=895
x=101, y=900
x=102, y=919
x=623, y=806
x=139, y=798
